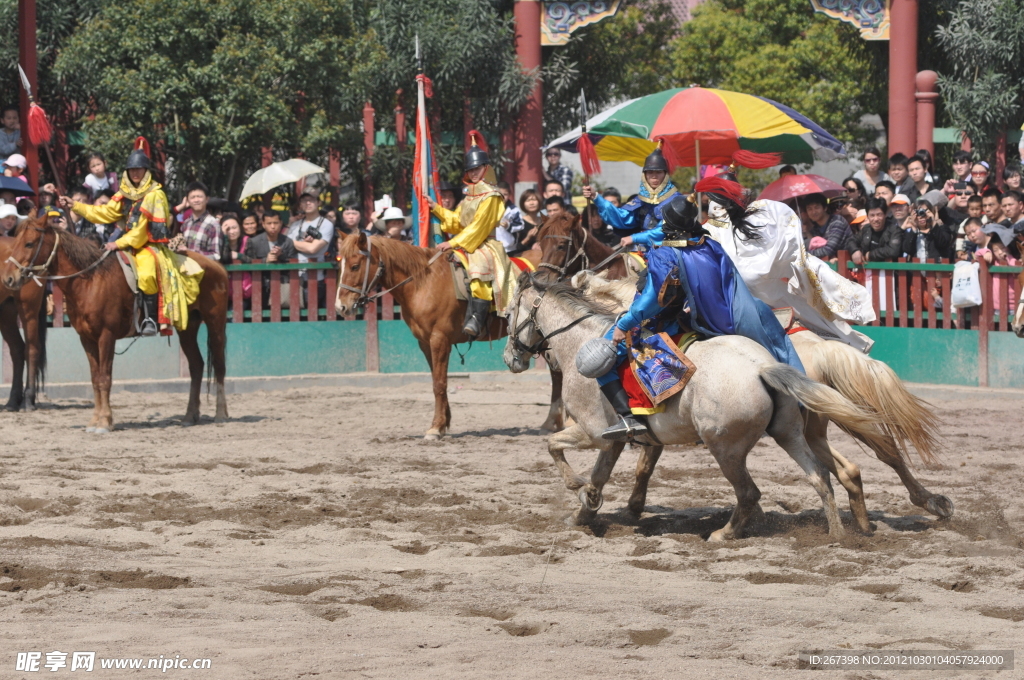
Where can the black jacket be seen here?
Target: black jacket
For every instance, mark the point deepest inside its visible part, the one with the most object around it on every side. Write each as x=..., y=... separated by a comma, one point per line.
x=938, y=242
x=879, y=246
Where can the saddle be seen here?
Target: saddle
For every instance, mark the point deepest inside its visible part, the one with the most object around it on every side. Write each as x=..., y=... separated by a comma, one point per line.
x=460, y=277
x=788, y=319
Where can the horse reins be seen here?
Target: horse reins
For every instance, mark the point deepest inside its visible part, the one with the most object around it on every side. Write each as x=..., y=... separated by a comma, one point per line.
x=541, y=345
x=33, y=270
x=369, y=284
x=580, y=253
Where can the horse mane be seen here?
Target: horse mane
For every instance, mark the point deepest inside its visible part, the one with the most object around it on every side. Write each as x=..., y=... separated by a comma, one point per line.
x=576, y=299
x=83, y=253
x=411, y=259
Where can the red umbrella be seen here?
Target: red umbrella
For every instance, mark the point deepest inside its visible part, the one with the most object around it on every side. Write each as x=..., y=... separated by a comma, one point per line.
x=794, y=186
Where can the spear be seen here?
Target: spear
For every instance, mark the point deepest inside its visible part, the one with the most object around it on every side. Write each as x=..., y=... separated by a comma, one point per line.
x=40, y=131
x=585, y=147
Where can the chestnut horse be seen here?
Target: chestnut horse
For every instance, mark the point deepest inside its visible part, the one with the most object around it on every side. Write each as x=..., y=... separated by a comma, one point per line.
x=567, y=247
x=865, y=381
x=426, y=293
x=27, y=306
x=100, y=305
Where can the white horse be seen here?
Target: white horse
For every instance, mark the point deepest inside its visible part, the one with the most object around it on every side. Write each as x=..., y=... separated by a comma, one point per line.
x=738, y=393
x=867, y=382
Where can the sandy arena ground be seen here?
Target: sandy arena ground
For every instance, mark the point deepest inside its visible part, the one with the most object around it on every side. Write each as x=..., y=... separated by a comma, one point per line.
x=317, y=535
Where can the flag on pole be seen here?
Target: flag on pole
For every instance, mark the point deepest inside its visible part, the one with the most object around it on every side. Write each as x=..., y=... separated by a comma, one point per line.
x=424, y=171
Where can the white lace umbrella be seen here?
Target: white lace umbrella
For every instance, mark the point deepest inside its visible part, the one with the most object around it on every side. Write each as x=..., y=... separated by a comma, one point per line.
x=276, y=174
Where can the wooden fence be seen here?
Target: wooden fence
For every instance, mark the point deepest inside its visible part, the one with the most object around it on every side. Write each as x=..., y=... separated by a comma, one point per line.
x=913, y=295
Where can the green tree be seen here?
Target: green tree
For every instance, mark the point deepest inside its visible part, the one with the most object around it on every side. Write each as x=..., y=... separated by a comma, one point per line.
x=619, y=58
x=213, y=81
x=468, y=52
x=981, y=83
x=782, y=50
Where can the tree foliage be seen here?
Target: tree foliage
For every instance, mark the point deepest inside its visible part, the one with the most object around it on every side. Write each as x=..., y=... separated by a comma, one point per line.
x=619, y=58
x=215, y=80
x=981, y=83
x=468, y=52
x=782, y=50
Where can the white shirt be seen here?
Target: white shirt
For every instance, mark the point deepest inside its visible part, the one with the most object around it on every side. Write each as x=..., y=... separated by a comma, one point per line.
x=297, y=232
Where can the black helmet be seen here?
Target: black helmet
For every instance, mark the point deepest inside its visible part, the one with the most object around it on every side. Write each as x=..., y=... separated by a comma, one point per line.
x=680, y=217
x=656, y=161
x=137, y=159
x=476, y=157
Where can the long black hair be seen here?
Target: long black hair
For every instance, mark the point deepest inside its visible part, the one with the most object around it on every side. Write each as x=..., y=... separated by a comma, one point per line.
x=738, y=215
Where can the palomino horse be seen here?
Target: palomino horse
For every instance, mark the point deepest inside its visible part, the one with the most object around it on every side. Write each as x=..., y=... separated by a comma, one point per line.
x=426, y=294
x=27, y=306
x=865, y=381
x=737, y=393
x=100, y=305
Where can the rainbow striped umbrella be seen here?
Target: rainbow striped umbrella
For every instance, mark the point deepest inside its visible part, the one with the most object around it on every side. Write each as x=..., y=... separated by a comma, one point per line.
x=701, y=125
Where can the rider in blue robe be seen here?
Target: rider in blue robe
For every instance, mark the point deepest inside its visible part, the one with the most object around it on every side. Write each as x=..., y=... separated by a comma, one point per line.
x=712, y=300
x=644, y=211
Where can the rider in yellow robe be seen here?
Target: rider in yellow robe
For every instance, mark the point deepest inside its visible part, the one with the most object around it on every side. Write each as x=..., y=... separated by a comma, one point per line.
x=473, y=222
x=141, y=209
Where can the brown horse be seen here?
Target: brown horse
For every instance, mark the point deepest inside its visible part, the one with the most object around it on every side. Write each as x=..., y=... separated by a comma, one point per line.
x=27, y=306
x=567, y=247
x=864, y=381
x=429, y=307
x=100, y=305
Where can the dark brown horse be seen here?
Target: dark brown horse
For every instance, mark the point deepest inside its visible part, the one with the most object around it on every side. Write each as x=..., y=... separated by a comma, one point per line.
x=27, y=306
x=567, y=248
x=429, y=308
x=100, y=305
x=865, y=381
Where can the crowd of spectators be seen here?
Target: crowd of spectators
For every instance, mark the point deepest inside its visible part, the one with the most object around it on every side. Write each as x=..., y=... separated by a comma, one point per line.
x=891, y=208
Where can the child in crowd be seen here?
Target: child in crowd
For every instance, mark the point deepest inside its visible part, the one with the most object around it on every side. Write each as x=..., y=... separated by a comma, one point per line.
x=98, y=178
x=15, y=165
x=997, y=255
x=10, y=133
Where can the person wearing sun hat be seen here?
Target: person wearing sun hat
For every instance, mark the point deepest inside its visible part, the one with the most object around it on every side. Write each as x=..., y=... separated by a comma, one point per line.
x=9, y=219
x=393, y=223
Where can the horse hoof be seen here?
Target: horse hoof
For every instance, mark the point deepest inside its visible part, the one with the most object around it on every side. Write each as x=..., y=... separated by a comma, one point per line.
x=433, y=434
x=635, y=508
x=580, y=518
x=588, y=503
x=720, y=536
x=91, y=428
x=101, y=430
x=940, y=506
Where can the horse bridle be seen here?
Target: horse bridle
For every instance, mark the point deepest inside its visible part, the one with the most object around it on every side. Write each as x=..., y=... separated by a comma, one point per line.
x=581, y=252
x=369, y=284
x=541, y=345
x=34, y=271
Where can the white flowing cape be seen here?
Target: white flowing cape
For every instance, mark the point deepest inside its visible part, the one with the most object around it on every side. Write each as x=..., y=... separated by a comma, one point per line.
x=779, y=272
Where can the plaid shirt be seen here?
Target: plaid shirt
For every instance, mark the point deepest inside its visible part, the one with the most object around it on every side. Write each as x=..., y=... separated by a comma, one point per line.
x=563, y=175
x=202, y=235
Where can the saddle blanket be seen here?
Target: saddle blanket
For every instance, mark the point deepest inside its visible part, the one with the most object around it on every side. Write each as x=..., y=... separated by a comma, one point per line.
x=657, y=368
x=461, y=277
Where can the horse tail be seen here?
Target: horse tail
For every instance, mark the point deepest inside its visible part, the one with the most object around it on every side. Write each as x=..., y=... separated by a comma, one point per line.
x=872, y=385
x=822, y=399
x=41, y=362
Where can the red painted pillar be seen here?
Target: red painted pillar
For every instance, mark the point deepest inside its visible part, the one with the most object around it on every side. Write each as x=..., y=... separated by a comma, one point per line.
x=401, y=137
x=27, y=59
x=368, y=146
x=927, y=95
x=334, y=171
x=1000, y=157
x=902, y=129
x=530, y=126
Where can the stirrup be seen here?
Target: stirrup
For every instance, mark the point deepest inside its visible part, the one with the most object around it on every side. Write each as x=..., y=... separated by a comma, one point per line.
x=627, y=429
x=148, y=328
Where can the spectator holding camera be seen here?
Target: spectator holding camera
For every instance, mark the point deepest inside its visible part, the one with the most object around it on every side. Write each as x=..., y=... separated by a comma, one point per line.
x=925, y=237
x=311, y=234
